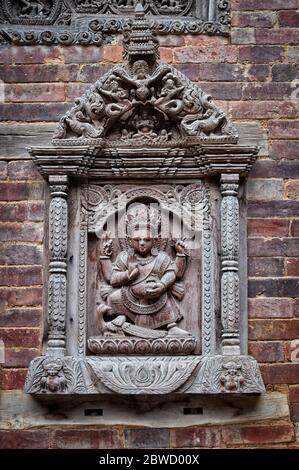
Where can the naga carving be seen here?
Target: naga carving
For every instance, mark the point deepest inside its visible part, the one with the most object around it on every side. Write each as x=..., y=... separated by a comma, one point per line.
x=144, y=100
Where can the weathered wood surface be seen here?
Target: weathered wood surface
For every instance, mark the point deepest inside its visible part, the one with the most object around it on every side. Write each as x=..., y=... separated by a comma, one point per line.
x=20, y=411
x=15, y=138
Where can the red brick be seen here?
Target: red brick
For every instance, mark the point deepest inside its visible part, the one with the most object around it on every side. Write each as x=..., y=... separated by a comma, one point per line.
x=243, y=35
x=267, y=227
x=265, y=267
x=264, y=189
x=82, y=54
x=197, y=40
x=222, y=91
x=39, y=73
x=264, y=5
x=296, y=311
x=292, y=350
x=147, y=438
x=34, y=92
x=12, y=379
x=292, y=266
x=166, y=55
x=270, y=308
x=3, y=170
x=265, y=19
x=33, y=112
x=277, y=36
x=20, y=337
x=21, y=211
x=294, y=393
x=274, y=247
x=11, y=212
x=260, y=54
x=20, y=276
x=30, y=54
x=211, y=72
x=276, y=208
x=275, y=169
x=292, y=190
x=21, y=317
x=74, y=90
x=262, y=110
x=206, y=54
x=288, y=18
x=86, y=439
x=267, y=351
x=267, y=91
x=270, y=287
x=264, y=434
x=90, y=73
x=36, y=211
x=19, y=357
x=283, y=130
x=258, y=72
x=27, y=296
x=179, y=40
x=280, y=373
x=195, y=437
x=37, y=439
x=112, y=54
x=28, y=232
x=295, y=412
x=21, y=191
x=295, y=228
x=282, y=149
x=283, y=72
x=20, y=254
x=23, y=170
x=273, y=329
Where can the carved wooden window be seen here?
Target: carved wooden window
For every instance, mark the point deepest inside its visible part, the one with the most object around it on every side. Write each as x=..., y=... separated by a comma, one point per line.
x=89, y=22
x=144, y=291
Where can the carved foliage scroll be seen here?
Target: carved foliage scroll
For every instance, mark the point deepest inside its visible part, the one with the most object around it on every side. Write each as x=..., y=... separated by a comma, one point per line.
x=90, y=21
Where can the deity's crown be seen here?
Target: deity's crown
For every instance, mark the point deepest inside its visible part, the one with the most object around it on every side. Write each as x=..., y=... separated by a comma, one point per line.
x=141, y=216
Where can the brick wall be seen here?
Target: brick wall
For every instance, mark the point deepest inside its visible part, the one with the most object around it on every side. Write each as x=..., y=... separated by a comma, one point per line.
x=251, y=76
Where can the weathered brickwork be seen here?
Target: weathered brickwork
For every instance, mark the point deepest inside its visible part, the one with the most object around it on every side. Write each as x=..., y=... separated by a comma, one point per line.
x=254, y=76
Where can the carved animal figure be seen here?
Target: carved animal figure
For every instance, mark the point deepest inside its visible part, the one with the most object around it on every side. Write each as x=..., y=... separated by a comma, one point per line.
x=34, y=8
x=206, y=124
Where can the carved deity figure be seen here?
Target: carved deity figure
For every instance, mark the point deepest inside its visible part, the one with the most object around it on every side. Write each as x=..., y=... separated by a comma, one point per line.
x=142, y=79
x=231, y=377
x=53, y=378
x=145, y=279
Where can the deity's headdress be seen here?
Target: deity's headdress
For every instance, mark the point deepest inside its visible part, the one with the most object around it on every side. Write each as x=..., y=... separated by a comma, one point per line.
x=141, y=216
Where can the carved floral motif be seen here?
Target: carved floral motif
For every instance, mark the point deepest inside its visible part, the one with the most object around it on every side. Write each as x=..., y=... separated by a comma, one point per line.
x=151, y=375
x=64, y=26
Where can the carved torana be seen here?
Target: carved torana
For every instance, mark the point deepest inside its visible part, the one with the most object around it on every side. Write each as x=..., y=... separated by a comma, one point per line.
x=145, y=295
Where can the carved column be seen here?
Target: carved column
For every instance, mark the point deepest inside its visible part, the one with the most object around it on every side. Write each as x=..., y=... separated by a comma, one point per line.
x=230, y=296
x=58, y=230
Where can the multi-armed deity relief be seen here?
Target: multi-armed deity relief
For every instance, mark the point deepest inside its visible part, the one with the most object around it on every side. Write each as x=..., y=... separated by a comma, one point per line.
x=145, y=294
x=143, y=287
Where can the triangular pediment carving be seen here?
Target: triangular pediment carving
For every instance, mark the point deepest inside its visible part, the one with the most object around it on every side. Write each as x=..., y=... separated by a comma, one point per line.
x=143, y=102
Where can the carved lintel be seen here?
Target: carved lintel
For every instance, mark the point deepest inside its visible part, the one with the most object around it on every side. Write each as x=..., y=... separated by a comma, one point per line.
x=144, y=375
x=57, y=288
x=230, y=296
